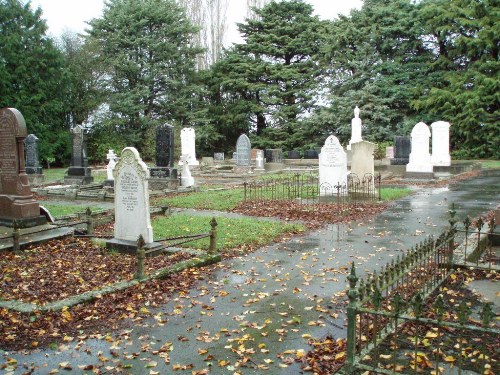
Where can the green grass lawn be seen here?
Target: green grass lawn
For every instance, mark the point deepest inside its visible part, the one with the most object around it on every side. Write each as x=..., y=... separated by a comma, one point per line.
x=393, y=193
x=490, y=164
x=231, y=232
x=54, y=175
x=58, y=210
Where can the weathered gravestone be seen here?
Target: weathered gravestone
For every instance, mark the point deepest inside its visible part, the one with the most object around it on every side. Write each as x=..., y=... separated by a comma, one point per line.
x=332, y=168
x=389, y=152
x=355, y=129
x=163, y=175
x=363, y=165
x=402, y=149
x=293, y=154
x=188, y=146
x=33, y=167
x=420, y=159
x=79, y=172
x=112, y=158
x=16, y=199
x=260, y=161
x=243, y=147
x=132, y=217
x=218, y=156
x=273, y=155
x=310, y=154
x=441, y=144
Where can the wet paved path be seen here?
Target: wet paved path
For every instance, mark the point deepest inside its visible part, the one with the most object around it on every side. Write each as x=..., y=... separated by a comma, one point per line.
x=265, y=301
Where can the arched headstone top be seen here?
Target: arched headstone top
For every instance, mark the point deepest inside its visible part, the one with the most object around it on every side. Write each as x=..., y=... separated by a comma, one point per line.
x=130, y=156
x=421, y=129
x=332, y=140
x=15, y=120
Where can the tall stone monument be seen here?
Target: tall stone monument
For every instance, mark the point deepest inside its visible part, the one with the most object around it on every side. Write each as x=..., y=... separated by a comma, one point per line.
x=132, y=217
x=332, y=167
x=402, y=149
x=420, y=159
x=16, y=199
x=243, y=147
x=355, y=129
x=363, y=163
x=33, y=167
x=441, y=144
x=164, y=175
x=79, y=172
x=188, y=146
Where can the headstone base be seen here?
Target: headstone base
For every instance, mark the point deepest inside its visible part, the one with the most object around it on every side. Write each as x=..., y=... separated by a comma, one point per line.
x=26, y=222
x=187, y=181
x=163, y=172
x=33, y=170
x=78, y=180
x=36, y=179
x=163, y=183
x=274, y=166
x=242, y=169
x=108, y=183
x=400, y=161
x=420, y=175
x=130, y=247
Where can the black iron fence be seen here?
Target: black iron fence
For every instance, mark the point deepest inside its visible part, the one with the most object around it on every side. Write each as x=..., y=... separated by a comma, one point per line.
x=393, y=329
x=307, y=188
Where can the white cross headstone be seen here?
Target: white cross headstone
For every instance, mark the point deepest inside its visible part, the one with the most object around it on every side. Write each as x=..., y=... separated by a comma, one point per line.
x=132, y=198
x=355, y=129
x=188, y=146
x=420, y=158
x=187, y=179
x=332, y=167
x=111, y=156
x=441, y=144
x=259, y=160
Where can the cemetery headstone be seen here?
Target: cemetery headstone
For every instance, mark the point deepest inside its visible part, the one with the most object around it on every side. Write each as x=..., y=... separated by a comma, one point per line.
x=420, y=158
x=163, y=175
x=33, y=167
x=274, y=155
x=441, y=144
x=112, y=158
x=132, y=217
x=218, y=156
x=16, y=199
x=332, y=167
x=363, y=164
x=402, y=149
x=310, y=154
x=243, y=147
x=187, y=179
x=259, y=161
x=188, y=146
x=389, y=152
x=293, y=154
x=79, y=172
x=355, y=129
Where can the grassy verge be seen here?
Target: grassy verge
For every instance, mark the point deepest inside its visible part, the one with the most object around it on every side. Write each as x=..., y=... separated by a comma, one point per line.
x=490, y=164
x=391, y=194
x=58, y=210
x=231, y=233
x=220, y=200
x=54, y=174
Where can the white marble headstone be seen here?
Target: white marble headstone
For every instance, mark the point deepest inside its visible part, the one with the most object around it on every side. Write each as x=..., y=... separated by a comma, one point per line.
x=441, y=144
x=420, y=158
x=332, y=166
x=363, y=160
x=259, y=160
x=111, y=156
x=132, y=198
x=355, y=129
x=187, y=179
x=188, y=146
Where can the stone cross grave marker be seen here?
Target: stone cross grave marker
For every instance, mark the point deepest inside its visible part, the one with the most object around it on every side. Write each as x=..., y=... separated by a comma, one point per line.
x=260, y=160
x=16, y=199
x=164, y=146
x=243, y=148
x=112, y=157
x=420, y=158
x=132, y=198
x=332, y=167
x=441, y=144
x=188, y=146
x=355, y=129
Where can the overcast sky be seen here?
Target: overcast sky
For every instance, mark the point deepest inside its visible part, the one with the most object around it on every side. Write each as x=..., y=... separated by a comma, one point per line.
x=62, y=15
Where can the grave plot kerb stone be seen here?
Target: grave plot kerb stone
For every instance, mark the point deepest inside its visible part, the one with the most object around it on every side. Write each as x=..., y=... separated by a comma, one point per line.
x=132, y=216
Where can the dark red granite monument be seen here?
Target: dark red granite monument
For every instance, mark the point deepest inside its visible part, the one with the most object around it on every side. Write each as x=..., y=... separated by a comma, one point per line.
x=16, y=199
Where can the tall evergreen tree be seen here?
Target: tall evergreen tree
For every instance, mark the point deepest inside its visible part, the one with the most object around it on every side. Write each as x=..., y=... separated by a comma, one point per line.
x=31, y=77
x=146, y=46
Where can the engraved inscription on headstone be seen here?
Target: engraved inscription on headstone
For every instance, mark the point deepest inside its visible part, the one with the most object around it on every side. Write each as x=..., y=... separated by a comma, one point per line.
x=243, y=148
x=219, y=156
x=164, y=145
x=77, y=156
x=332, y=167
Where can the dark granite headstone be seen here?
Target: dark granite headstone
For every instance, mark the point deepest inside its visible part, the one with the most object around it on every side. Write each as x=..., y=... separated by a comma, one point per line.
x=164, y=146
x=243, y=148
x=402, y=149
x=16, y=199
x=32, y=156
x=274, y=155
x=294, y=154
x=79, y=172
x=310, y=154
